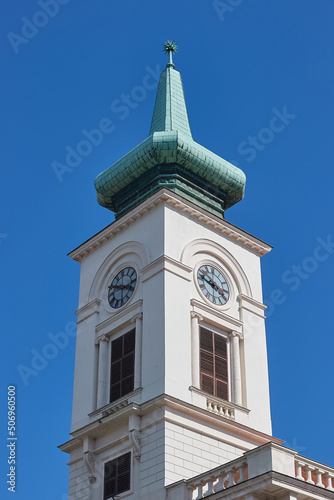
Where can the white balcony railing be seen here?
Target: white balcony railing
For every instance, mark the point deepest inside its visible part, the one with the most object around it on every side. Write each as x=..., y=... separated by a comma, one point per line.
x=314, y=473
x=218, y=479
x=223, y=409
x=267, y=458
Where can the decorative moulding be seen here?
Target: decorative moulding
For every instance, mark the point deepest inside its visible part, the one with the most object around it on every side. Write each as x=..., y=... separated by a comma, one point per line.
x=219, y=401
x=135, y=438
x=165, y=263
x=120, y=319
x=115, y=406
x=216, y=317
x=221, y=226
x=236, y=334
x=88, y=310
x=71, y=445
x=177, y=202
x=204, y=417
x=179, y=409
x=225, y=259
x=252, y=305
x=115, y=260
x=90, y=459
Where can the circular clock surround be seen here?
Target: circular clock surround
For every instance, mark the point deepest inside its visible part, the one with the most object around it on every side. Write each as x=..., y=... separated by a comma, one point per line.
x=122, y=286
x=213, y=284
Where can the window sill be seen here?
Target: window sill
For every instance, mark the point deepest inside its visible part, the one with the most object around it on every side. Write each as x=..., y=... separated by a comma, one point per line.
x=116, y=405
x=219, y=406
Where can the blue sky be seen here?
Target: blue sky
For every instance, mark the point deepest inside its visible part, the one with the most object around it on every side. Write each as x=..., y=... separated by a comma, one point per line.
x=258, y=80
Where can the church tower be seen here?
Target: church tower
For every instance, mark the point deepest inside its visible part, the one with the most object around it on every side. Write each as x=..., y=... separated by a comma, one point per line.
x=171, y=376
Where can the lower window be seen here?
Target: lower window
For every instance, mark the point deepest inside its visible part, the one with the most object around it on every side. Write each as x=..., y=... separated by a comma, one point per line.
x=213, y=363
x=117, y=476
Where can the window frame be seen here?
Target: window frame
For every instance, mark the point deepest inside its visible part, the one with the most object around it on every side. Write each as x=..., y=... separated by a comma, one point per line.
x=124, y=492
x=112, y=339
x=225, y=335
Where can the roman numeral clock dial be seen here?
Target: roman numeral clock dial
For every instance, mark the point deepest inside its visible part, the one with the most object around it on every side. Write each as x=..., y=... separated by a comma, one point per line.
x=122, y=287
x=213, y=285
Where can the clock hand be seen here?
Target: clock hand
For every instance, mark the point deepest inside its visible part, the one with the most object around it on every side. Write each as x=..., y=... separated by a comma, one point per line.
x=211, y=282
x=207, y=279
x=214, y=285
x=221, y=290
x=129, y=286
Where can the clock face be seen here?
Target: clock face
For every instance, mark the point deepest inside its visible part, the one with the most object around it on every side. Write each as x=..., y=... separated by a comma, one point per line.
x=213, y=285
x=122, y=287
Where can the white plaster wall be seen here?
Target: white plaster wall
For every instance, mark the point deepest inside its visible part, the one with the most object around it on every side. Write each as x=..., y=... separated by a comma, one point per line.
x=189, y=453
x=177, y=337
x=153, y=349
x=84, y=374
x=180, y=230
x=148, y=230
x=152, y=460
x=166, y=348
x=147, y=474
x=79, y=484
x=256, y=373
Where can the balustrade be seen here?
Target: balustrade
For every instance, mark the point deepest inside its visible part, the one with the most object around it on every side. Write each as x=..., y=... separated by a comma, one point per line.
x=222, y=409
x=218, y=479
x=314, y=473
x=253, y=464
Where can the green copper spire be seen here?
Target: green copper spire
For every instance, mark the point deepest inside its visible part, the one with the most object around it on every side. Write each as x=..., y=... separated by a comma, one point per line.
x=170, y=111
x=170, y=158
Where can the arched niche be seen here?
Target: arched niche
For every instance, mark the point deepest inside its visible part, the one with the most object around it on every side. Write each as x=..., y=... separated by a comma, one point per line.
x=208, y=247
x=127, y=253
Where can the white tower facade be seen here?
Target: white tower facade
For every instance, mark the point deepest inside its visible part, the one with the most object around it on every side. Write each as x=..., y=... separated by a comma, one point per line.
x=171, y=376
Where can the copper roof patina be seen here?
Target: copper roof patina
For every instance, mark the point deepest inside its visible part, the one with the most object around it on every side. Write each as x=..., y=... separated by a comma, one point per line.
x=170, y=145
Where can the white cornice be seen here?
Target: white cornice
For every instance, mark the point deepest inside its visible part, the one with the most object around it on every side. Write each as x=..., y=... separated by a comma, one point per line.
x=190, y=209
x=165, y=263
x=103, y=424
x=70, y=445
x=119, y=319
x=87, y=310
x=251, y=305
x=218, y=318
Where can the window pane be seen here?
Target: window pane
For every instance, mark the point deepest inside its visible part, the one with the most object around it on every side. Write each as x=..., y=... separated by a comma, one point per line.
x=221, y=390
x=127, y=385
x=129, y=342
x=117, y=475
x=221, y=368
x=122, y=365
x=124, y=463
x=116, y=349
x=207, y=384
x=220, y=346
x=128, y=365
x=123, y=483
x=206, y=340
x=116, y=372
x=110, y=469
x=207, y=363
x=109, y=488
x=115, y=392
x=213, y=363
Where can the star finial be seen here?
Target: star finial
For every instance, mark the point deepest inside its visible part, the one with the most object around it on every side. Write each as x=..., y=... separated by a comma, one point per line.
x=169, y=47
